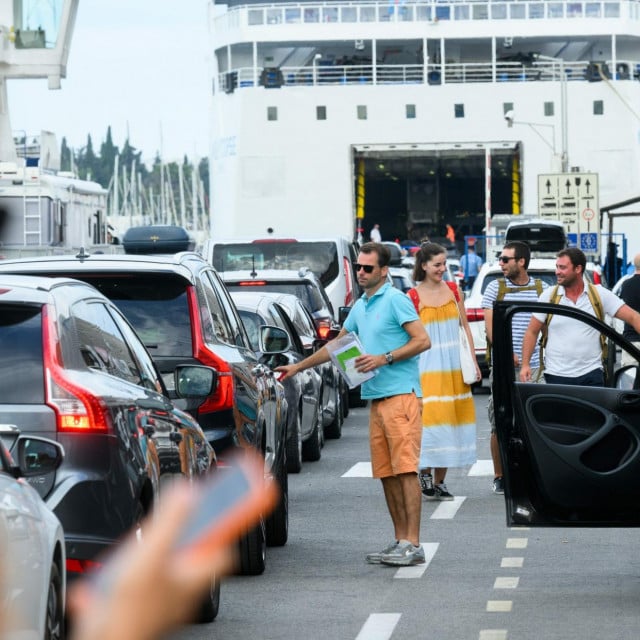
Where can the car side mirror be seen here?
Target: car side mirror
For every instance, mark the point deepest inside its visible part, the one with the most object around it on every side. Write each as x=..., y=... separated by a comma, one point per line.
x=195, y=381
x=343, y=312
x=274, y=340
x=37, y=456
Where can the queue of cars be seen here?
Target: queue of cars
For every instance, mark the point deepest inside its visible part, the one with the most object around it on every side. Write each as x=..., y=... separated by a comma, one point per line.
x=122, y=372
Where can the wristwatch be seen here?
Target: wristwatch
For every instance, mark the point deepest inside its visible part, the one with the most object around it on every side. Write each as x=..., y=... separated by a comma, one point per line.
x=389, y=357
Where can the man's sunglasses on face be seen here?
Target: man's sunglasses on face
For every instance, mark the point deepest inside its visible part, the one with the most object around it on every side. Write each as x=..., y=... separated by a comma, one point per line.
x=505, y=259
x=367, y=268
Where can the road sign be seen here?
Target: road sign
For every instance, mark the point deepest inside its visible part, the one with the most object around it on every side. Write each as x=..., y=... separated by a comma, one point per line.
x=572, y=198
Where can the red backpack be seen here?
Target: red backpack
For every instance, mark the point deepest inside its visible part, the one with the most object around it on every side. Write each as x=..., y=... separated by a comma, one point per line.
x=415, y=297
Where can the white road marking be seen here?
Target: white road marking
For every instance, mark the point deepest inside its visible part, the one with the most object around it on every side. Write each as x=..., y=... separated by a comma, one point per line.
x=379, y=626
x=517, y=543
x=447, y=510
x=493, y=634
x=359, y=470
x=506, y=583
x=417, y=571
x=518, y=528
x=481, y=468
x=499, y=606
x=511, y=562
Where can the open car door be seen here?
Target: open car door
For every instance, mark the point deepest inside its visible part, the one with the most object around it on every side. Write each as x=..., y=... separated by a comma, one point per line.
x=571, y=454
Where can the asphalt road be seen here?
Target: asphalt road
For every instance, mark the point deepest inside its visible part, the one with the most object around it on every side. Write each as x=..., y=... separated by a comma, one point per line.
x=482, y=580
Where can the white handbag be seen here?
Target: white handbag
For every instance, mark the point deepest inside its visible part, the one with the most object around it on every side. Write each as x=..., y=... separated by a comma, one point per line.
x=467, y=361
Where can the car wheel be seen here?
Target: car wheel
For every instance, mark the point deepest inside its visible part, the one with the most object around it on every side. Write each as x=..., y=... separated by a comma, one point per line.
x=278, y=522
x=334, y=429
x=312, y=447
x=294, y=444
x=211, y=603
x=54, y=623
x=253, y=551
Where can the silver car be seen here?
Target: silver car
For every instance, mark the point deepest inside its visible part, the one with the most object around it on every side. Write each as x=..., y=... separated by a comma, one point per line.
x=32, y=550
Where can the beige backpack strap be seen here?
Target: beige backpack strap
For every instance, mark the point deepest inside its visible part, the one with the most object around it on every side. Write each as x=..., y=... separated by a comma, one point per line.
x=596, y=303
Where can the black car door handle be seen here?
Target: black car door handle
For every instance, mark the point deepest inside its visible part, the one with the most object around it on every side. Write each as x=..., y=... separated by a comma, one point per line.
x=629, y=400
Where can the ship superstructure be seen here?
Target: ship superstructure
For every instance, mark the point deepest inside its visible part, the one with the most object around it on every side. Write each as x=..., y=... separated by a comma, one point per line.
x=332, y=116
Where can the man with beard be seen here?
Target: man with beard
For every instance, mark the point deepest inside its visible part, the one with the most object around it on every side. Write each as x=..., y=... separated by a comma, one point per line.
x=573, y=352
x=392, y=336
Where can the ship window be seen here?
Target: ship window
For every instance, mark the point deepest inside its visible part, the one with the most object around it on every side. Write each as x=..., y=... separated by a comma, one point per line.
x=593, y=10
x=255, y=16
x=330, y=14
x=321, y=113
x=311, y=14
x=574, y=10
x=556, y=10
x=536, y=10
x=461, y=12
x=349, y=14
x=362, y=111
x=499, y=11
x=598, y=107
x=507, y=106
x=612, y=10
x=443, y=13
x=405, y=14
x=367, y=14
x=292, y=16
x=410, y=110
x=548, y=109
x=458, y=110
x=480, y=12
x=274, y=16
x=517, y=11
x=272, y=113
x=423, y=14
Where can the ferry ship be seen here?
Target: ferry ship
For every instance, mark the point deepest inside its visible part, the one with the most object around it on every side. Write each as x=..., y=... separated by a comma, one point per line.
x=329, y=117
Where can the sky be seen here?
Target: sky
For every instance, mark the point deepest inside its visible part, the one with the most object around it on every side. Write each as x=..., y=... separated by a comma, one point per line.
x=141, y=66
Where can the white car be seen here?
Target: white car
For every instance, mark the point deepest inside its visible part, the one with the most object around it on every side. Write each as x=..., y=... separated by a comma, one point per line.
x=32, y=551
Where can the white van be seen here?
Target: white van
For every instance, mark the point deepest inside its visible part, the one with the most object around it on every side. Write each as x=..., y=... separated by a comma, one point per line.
x=331, y=259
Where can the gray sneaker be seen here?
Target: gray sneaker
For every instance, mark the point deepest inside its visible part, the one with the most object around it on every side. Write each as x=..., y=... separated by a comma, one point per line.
x=376, y=556
x=441, y=492
x=426, y=484
x=404, y=555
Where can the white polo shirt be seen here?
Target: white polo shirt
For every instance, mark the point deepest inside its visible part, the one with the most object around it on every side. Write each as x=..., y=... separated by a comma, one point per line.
x=573, y=348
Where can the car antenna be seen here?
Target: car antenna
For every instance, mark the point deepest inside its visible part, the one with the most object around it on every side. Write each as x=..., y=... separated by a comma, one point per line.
x=253, y=273
x=82, y=254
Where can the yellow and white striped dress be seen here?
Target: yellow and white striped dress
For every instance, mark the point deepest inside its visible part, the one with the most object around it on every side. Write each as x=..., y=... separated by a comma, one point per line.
x=448, y=412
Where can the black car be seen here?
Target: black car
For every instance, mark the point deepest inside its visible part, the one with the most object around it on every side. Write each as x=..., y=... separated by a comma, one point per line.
x=304, y=390
x=73, y=370
x=571, y=454
x=184, y=315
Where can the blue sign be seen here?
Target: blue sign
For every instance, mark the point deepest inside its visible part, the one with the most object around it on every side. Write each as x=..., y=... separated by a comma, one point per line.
x=573, y=239
x=589, y=242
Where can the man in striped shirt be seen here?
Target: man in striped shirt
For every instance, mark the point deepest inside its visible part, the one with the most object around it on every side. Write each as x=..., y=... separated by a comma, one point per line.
x=516, y=285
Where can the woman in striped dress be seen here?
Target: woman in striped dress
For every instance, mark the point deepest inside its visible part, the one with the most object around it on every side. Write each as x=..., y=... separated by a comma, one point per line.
x=448, y=412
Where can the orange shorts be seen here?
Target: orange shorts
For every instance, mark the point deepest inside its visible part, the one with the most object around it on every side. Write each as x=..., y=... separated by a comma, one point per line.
x=395, y=433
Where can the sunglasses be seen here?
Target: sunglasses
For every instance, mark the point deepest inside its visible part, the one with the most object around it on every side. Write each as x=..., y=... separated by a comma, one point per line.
x=505, y=259
x=367, y=268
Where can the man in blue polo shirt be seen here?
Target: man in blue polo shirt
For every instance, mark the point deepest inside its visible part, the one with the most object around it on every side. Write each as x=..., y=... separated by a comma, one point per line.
x=392, y=336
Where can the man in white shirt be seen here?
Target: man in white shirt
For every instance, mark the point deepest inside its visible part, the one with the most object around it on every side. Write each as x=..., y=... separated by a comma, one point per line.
x=375, y=234
x=573, y=353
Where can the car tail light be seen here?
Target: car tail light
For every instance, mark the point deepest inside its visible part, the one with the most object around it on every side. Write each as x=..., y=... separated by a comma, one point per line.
x=222, y=398
x=82, y=566
x=475, y=315
x=77, y=409
x=252, y=283
x=323, y=328
x=348, y=298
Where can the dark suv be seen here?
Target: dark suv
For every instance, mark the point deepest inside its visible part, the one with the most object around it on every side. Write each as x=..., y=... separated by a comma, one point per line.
x=73, y=370
x=184, y=315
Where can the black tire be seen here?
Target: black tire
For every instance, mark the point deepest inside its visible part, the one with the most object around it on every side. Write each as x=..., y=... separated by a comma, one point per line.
x=333, y=431
x=294, y=444
x=344, y=390
x=253, y=551
x=211, y=604
x=312, y=447
x=54, y=622
x=277, y=525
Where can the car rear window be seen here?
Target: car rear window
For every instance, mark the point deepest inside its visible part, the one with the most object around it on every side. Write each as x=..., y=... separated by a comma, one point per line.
x=306, y=293
x=546, y=276
x=21, y=368
x=320, y=257
x=156, y=306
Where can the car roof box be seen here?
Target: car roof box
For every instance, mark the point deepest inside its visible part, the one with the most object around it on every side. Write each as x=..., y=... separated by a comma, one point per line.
x=542, y=236
x=156, y=239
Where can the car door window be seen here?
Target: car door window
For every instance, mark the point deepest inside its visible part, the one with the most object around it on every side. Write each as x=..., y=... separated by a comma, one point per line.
x=284, y=322
x=303, y=323
x=215, y=325
x=101, y=344
x=237, y=327
x=149, y=378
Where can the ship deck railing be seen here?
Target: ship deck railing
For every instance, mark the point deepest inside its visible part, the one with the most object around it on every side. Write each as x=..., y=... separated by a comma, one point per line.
x=401, y=11
x=434, y=74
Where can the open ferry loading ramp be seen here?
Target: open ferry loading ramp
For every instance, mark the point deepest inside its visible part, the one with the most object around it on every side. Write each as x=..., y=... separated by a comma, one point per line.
x=415, y=190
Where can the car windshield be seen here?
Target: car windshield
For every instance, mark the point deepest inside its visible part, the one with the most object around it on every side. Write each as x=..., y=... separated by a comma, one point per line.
x=546, y=276
x=306, y=293
x=21, y=368
x=320, y=257
x=157, y=307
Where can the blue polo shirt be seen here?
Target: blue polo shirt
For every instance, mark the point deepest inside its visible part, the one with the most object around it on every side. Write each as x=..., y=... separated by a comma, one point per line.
x=378, y=322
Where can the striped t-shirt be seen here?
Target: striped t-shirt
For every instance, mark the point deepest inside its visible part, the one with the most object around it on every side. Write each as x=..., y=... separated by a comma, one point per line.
x=520, y=320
